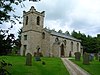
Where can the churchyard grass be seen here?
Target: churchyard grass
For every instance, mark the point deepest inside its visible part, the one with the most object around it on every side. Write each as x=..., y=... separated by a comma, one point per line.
x=52, y=66
x=93, y=68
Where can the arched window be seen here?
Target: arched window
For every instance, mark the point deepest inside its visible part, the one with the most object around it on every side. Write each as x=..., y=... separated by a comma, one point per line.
x=26, y=20
x=56, y=40
x=65, y=42
x=43, y=35
x=77, y=46
x=24, y=49
x=38, y=20
x=71, y=46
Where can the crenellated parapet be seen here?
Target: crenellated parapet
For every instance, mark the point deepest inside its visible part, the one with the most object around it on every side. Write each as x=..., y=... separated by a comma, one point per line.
x=33, y=10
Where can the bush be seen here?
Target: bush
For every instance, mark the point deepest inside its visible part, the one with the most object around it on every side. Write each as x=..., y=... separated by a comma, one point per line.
x=4, y=68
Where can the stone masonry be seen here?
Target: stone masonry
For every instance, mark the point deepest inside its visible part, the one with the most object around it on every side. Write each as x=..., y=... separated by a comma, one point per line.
x=51, y=43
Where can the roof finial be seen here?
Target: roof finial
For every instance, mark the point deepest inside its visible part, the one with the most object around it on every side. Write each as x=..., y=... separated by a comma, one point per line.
x=32, y=9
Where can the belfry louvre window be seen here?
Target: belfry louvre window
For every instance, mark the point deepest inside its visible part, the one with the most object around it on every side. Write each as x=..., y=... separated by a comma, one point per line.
x=38, y=20
x=25, y=37
x=26, y=20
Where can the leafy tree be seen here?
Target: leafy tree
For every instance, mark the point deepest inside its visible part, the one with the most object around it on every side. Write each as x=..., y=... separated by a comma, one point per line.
x=97, y=43
x=67, y=33
x=53, y=30
x=60, y=31
x=17, y=42
x=7, y=40
x=6, y=6
x=90, y=44
x=6, y=43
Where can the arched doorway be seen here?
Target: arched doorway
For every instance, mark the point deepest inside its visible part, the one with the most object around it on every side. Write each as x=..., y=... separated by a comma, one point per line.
x=62, y=50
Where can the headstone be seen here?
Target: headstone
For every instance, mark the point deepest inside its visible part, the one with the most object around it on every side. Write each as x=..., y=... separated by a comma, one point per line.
x=37, y=58
x=86, y=58
x=96, y=56
x=99, y=56
x=29, y=59
x=77, y=56
x=91, y=56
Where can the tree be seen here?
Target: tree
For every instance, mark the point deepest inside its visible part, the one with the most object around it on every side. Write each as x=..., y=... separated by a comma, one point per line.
x=6, y=7
x=53, y=30
x=6, y=43
x=17, y=42
x=7, y=40
x=60, y=31
x=90, y=44
x=67, y=33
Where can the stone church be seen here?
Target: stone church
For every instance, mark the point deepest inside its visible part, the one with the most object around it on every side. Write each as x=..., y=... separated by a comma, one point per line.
x=50, y=43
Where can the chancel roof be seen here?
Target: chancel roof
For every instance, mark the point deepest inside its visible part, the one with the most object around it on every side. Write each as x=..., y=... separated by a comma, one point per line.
x=62, y=35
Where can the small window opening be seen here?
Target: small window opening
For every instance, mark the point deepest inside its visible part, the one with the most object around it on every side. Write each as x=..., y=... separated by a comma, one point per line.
x=26, y=20
x=38, y=20
x=25, y=37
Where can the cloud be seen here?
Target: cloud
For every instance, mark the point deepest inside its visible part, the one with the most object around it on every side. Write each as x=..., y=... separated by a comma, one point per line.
x=79, y=15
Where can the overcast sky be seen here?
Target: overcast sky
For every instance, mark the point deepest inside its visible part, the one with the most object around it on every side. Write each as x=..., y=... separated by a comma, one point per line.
x=67, y=15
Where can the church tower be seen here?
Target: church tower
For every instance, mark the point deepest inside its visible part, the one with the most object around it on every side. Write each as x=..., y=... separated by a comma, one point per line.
x=31, y=31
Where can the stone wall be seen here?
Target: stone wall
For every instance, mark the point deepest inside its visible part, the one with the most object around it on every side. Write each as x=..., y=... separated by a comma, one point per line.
x=48, y=46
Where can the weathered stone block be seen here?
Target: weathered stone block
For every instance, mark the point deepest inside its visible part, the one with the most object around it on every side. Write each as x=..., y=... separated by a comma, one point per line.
x=37, y=58
x=29, y=59
x=77, y=56
x=91, y=56
x=86, y=59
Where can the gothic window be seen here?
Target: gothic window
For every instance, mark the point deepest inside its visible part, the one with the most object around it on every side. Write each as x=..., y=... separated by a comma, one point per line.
x=64, y=42
x=24, y=49
x=71, y=46
x=38, y=20
x=43, y=35
x=56, y=40
x=77, y=46
x=26, y=20
x=25, y=37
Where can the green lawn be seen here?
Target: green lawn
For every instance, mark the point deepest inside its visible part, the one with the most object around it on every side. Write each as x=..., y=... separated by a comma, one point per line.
x=93, y=68
x=53, y=66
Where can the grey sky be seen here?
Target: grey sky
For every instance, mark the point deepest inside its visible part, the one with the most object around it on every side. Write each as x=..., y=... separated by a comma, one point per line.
x=68, y=15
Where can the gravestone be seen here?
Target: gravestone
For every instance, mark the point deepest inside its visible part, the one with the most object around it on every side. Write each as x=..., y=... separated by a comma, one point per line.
x=96, y=56
x=29, y=59
x=99, y=56
x=37, y=58
x=91, y=56
x=86, y=58
x=77, y=56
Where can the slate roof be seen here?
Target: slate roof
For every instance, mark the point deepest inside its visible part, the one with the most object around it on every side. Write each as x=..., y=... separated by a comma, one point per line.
x=62, y=35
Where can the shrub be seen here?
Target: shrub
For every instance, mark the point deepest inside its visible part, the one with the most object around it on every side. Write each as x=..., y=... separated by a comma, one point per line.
x=4, y=68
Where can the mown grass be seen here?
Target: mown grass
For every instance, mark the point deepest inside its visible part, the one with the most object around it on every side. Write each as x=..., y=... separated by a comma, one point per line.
x=53, y=66
x=93, y=68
